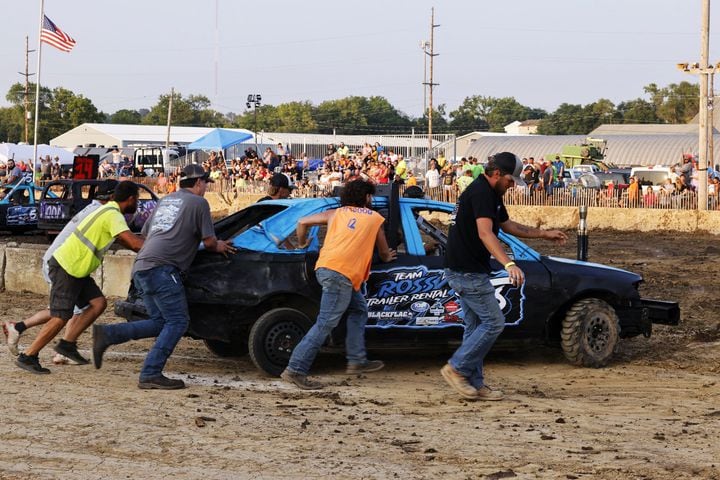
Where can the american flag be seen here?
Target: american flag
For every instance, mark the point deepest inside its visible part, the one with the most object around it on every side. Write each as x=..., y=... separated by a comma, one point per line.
x=52, y=35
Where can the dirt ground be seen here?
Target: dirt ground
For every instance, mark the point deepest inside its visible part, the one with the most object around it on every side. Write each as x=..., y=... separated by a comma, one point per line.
x=654, y=413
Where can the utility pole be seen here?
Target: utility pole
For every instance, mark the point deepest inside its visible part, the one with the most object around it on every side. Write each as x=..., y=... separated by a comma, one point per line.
x=26, y=101
x=711, y=121
x=704, y=69
x=430, y=83
x=166, y=154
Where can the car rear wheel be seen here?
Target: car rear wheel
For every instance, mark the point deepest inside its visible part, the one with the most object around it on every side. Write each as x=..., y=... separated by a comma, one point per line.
x=274, y=336
x=590, y=333
x=236, y=348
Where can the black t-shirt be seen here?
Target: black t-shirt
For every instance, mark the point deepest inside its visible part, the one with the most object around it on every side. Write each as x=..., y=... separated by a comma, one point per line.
x=465, y=251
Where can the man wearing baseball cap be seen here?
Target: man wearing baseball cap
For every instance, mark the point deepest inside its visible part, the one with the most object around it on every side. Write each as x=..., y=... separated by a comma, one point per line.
x=472, y=239
x=280, y=187
x=178, y=224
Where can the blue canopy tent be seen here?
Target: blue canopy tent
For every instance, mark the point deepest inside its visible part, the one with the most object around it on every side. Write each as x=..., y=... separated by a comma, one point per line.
x=219, y=139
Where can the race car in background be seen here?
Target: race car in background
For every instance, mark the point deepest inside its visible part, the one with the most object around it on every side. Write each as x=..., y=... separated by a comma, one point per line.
x=62, y=199
x=19, y=206
x=263, y=299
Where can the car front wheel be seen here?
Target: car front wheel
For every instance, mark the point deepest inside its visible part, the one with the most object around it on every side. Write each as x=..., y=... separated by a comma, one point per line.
x=274, y=336
x=590, y=332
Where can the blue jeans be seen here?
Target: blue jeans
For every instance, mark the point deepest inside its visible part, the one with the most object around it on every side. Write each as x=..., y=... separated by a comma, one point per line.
x=164, y=297
x=484, y=321
x=338, y=297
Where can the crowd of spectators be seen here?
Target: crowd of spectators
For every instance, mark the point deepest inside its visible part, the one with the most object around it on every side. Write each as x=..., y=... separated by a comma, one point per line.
x=443, y=179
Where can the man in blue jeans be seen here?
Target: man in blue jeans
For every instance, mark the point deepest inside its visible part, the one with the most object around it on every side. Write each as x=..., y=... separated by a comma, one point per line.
x=472, y=239
x=178, y=224
x=353, y=232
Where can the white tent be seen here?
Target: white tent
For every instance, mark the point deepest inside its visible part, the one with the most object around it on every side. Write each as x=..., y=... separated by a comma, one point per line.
x=25, y=153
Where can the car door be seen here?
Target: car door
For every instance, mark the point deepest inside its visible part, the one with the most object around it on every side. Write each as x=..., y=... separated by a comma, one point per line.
x=413, y=292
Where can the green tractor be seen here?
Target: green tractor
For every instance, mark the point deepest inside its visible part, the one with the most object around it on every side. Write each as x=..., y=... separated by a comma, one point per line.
x=592, y=152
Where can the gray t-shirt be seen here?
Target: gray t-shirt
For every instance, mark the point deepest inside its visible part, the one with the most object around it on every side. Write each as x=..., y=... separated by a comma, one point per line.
x=173, y=232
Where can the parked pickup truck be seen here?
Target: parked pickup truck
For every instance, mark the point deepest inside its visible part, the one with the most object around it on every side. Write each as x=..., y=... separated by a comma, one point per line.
x=62, y=199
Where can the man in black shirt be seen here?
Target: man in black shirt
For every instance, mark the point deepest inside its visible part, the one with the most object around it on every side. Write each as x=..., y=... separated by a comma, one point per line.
x=472, y=239
x=279, y=188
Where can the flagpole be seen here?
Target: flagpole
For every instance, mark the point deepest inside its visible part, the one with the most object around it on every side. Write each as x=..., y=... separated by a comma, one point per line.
x=37, y=89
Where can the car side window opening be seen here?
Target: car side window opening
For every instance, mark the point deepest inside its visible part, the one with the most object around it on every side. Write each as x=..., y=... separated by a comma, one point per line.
x=239, y=222
x=85, y=192
x=433, y=228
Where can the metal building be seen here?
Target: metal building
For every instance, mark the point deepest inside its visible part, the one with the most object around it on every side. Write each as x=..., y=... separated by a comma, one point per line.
x=622, y=150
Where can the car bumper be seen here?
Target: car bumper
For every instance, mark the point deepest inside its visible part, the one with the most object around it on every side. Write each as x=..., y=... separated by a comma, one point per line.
x=642, y=314
x=662, y=312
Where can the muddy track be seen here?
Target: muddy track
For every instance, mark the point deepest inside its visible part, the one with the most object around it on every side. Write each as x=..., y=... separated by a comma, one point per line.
x=653, y=413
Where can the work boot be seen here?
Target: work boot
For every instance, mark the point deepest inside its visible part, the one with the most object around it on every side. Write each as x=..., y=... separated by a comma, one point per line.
x=100, y=344
x=161, y=382
x=366, y=367
x=459, y=383
x=31, y=363
x=12, y=336
x=300, y=380
x=488, y=394
x=70, y=351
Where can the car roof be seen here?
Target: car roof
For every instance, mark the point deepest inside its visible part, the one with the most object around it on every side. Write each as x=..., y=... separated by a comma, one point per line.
x=268, y=234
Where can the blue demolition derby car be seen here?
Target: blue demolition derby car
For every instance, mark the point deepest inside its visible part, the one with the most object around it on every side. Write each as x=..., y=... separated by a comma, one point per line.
x=263, y=299
x=19, y=206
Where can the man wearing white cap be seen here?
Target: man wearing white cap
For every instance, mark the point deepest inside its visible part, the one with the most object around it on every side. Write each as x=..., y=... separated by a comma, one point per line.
x=472, y=239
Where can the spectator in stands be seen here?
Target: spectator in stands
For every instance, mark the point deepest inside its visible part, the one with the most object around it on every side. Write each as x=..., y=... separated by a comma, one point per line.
x=139, y=171
x=45, y=168
x=448, y=181
x=634, y=192
x=465, y=180
x=650, y=199
x=547, y=178
x=56, y=169
x=432, y=176
x=14, y=173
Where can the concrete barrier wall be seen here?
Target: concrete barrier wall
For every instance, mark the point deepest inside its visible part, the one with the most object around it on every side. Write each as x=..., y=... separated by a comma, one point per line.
x=21, y=264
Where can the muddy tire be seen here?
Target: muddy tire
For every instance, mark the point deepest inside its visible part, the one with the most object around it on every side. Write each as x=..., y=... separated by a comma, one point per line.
x=237, y=348
x=274, y=336
x=590, y=333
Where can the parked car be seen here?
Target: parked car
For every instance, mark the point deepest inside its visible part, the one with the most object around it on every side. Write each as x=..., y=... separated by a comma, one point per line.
x=264, y=298
x=62, y=199
x=654, y=177
x=19, y=207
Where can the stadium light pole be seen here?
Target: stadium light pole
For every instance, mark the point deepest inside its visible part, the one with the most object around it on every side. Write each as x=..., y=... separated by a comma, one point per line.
x=253, y=100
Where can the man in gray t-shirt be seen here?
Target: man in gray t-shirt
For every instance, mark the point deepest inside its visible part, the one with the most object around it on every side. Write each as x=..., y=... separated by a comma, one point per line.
x=180, y=222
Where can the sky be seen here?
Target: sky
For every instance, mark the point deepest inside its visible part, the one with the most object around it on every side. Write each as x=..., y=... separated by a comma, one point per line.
x=543, y=53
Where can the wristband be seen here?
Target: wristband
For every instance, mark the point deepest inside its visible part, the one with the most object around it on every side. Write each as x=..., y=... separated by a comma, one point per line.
x=508, y=265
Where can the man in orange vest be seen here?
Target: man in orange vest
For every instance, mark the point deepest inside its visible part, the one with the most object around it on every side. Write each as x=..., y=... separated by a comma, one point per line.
x=353, y=231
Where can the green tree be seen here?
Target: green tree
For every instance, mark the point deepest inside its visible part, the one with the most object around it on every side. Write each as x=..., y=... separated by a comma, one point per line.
x=127, y=117
x=358, y=115
x=507, y=110
x=191, y=111
x=637, y=111
x=440, y=123
x=12, y=127
x=479, y=113
x=472, y=114
x=295, y=117
x=676, y=103
x=60, y=110
x=571, y=119
x=565, y=120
